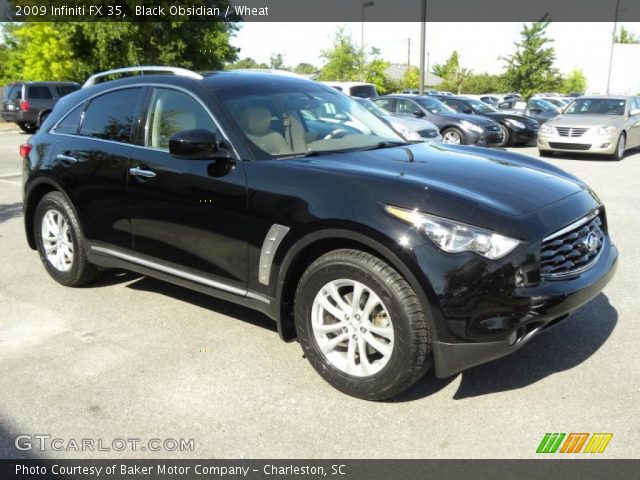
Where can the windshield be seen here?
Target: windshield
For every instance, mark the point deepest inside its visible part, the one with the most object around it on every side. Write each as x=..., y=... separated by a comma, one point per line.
x=284, y=119
x=481, y=107
x=597, y=106
x=433, y=105
x=372, y=107
x=543, y=105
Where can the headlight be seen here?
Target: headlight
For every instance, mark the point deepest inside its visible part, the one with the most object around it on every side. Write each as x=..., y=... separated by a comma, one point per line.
x=544, y=128
x=515, y=123
x=454, y=237
x=471, y=126
x=608, y=130
x=407, y=133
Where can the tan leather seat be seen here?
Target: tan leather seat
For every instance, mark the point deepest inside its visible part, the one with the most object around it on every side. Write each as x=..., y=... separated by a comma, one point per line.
x=256, y=123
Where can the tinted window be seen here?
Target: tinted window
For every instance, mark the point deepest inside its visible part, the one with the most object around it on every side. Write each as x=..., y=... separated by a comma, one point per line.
x=454, y=104
x=15, y=93
x=71, y=122
x=66, y=89
x=172, y=112
x=597, y=106
x=39, y=93
x=111, y=116
x=364, y=91
x=635, y=103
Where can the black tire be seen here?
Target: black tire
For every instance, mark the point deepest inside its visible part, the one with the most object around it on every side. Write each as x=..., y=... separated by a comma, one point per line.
x=620, y=147
x=27, y=127
x=455, y=132
x=81, y=271
x=546, y=153
x=410, y=357
x=506, y=137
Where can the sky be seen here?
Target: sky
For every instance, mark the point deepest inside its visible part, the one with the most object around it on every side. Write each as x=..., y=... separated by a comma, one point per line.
x=480, y=45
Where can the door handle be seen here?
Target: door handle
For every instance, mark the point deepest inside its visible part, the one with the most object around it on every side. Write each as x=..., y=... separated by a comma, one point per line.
x=141, y=172
x=66, y=158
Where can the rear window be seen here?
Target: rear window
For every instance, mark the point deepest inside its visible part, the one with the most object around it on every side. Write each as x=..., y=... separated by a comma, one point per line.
x=66, y=89
x=111, y=116
x=364, y=91
x=40, y=93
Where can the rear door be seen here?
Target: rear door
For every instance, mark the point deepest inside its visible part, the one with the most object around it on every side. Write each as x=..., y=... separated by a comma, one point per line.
x=188, y=215
x=91, y=159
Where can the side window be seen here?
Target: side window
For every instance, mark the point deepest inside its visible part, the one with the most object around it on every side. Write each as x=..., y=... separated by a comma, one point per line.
x=39, y=93
x=455, y=105
x=171, y=112
x=635, y=103
x=385, y=103
x=111, y=116
x=16, y=93
x=406, y=107
x=71, y=122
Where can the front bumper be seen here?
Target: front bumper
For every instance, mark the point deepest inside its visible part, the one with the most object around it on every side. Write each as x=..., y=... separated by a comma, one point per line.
x=523, y=310
x=590, y=142
x=524, y=135
x=484, y=138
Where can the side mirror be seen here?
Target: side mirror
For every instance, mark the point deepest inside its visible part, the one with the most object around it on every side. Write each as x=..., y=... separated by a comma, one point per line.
x=418, y=113
x=196, y=144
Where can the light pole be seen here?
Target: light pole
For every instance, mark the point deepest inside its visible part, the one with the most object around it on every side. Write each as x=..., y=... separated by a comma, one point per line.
x=364, y=5
x=613, y=43
x=423, y=41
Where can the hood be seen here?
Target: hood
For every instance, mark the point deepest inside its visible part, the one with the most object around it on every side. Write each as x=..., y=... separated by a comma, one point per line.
x=586, y=120
x=510, y=184
x=498, y=116
x=415, y=124
x=476, y=119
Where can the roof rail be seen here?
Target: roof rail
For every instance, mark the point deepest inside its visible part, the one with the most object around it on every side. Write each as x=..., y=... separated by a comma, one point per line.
x=183, y=72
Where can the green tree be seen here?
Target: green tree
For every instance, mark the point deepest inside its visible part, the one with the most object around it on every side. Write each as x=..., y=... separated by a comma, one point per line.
x=575, y=82
x=410, y=79
x=375, y=72
x=246, y=63
x=531, y=68
x=343, y=61
x=479, y=83
x=276, y=61
x=305, y=69
x=625, y=36
x=452, y=73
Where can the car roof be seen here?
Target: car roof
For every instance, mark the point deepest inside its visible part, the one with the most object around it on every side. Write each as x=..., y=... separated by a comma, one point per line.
x=606, y=97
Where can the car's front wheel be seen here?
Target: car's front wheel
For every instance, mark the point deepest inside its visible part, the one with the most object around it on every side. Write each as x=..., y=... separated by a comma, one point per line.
x=454, y=136
x=60, y=242
x=621, y=147
x=361, y=325
x=506, y=137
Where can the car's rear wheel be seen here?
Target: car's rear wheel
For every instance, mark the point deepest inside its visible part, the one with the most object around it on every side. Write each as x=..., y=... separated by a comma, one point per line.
x=60, y=242
x=27, y=127
x=454, y=136
x=361, y=325
x=506, y=137
x=621, y=147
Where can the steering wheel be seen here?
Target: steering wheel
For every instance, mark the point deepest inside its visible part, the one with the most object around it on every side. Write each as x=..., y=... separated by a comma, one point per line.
x=337, y=133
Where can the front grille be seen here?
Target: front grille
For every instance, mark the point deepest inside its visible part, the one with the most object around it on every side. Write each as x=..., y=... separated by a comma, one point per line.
x=572, y=249
x=429, y=133
x=492, y=128
x=570, y=146
x=571, y=131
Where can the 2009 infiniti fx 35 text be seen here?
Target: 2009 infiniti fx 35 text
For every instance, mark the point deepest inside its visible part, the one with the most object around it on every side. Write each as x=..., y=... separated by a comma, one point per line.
x=382, y=257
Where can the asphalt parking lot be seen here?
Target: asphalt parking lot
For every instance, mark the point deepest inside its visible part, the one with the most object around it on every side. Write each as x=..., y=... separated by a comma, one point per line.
x=134, y=358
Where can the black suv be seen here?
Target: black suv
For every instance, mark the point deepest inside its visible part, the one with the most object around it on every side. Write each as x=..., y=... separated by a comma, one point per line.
x=29, y=103
x=454, y=127
x=380, y=256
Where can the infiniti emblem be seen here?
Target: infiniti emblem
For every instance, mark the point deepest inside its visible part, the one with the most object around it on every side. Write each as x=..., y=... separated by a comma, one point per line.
x=590, y=243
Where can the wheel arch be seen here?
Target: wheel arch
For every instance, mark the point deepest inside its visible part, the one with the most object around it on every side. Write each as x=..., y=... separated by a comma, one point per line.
x=38, y=189
x=42, y=114
x=308, y=248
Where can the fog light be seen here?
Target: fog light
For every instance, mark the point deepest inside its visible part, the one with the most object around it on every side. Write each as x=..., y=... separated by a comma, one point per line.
x=495, y=324
x=513, y=337
x=605, y=145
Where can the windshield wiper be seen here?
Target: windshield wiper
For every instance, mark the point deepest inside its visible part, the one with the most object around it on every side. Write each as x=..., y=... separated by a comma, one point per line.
x=386, y=144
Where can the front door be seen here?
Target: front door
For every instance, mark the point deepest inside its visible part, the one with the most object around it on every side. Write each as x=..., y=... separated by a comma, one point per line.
x=187, y=214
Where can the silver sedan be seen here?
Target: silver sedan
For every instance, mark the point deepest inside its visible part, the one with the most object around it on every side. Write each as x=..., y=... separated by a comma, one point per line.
x=593, y=124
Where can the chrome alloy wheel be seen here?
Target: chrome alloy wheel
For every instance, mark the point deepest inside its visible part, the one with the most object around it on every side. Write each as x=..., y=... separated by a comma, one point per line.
x=352, y=327
x=622, y=144
x=451, y=137
x=57, y=240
